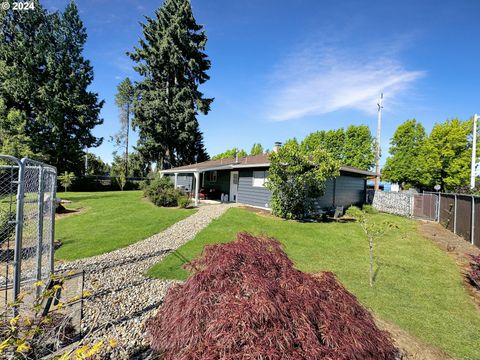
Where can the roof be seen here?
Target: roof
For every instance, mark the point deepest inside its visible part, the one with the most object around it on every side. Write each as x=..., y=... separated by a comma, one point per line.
x=243, y=162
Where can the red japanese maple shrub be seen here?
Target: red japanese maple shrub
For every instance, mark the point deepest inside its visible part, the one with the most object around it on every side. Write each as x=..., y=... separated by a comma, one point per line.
x=474, y=273
x=245, y=300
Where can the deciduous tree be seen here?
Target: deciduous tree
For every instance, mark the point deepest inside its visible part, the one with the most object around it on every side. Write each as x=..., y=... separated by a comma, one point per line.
x=230, y=153
x=297, y=177
x=257, y=149
x=405, y=165
x=358, y=150
x=447, y=155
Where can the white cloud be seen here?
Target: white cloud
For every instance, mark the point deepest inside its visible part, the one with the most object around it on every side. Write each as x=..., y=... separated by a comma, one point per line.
x=316, y=81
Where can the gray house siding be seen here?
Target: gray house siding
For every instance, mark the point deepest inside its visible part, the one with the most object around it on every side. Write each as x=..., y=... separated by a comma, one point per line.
x=249, y=194
x=327, y=199
x=350, y=190
x=342, y=191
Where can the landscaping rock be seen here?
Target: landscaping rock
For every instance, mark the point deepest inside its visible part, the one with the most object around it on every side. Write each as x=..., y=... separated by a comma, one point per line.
x=122, y=297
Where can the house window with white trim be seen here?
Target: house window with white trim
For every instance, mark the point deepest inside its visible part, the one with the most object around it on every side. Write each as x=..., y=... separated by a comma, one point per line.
x=212, y=176
x=259, y=178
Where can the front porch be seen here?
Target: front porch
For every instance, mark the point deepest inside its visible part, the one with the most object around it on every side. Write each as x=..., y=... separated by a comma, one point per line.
x=212, y=185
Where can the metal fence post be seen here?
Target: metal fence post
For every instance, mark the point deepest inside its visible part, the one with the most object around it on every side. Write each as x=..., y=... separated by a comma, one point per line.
x=17, y=260
x=438, y=210
x=455, y=216
x=53, y=195
x=472, y=232
x=40, y=226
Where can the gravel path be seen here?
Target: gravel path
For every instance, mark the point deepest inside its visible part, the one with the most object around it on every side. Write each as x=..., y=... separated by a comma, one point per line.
x=123, y=298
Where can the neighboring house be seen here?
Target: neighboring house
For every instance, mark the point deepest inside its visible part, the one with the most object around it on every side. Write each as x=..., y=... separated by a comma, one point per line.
x=243, y=180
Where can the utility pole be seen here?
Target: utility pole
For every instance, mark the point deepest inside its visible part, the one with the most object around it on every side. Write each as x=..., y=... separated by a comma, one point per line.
x=474, y=152
x=377, y=156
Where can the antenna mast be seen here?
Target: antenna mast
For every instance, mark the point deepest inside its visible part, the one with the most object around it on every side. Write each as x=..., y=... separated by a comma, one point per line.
x=377, y=155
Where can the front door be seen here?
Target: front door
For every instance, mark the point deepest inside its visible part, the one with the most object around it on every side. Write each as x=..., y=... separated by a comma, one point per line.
x=233, y=186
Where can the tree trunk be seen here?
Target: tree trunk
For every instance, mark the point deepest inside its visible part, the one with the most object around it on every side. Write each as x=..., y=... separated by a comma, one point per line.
x=371, y=260
x=126, y=141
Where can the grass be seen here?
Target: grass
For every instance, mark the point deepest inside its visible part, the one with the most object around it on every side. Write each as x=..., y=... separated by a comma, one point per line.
x=108, y=221
x=417, y=285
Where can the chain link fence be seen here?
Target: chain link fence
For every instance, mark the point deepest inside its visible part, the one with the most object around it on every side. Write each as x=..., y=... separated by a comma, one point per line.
x=27, y=220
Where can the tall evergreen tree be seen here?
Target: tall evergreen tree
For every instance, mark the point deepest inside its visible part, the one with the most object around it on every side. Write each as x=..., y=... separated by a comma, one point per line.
x=46, y=78
x=124, y=100
x=172, y=62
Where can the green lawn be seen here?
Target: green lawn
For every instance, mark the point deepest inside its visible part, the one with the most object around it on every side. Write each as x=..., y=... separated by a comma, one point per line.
x=417, y=286
x=108, y=221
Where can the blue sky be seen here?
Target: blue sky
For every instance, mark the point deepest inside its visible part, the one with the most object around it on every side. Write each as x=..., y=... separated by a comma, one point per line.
x=283, y=69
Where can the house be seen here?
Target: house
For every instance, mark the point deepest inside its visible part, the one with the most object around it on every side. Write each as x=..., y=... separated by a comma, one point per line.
x=243, y=180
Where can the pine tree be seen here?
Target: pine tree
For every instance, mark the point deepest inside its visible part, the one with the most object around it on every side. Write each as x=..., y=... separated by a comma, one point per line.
x=46, y=78
x=173, y=64
x=124, y=100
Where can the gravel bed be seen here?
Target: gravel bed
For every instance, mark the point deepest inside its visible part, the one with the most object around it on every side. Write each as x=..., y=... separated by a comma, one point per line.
x=122, y=297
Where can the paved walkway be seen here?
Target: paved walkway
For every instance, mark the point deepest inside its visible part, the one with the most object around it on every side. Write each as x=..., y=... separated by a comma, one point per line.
x=123, y=298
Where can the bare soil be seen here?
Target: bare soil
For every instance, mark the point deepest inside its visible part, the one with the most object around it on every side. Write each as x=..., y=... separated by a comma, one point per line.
x=70, y=212
x=458, y=249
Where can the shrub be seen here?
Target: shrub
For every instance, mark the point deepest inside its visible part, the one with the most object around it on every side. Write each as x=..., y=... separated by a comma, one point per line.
x=162, y=192
x=369, y=209
x=354, y=211
x=297, y=177
x=7, y=227
x=474, y=273
x=184, y=202
x=246, y=300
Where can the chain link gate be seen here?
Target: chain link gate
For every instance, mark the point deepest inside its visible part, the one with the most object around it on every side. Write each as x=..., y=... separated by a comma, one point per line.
x=27, y=225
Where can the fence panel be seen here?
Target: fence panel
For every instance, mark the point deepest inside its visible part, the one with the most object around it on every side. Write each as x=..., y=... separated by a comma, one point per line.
x=447, y=211
x=463, y=219
x=425, y=206
x=9, y=175
x=27, y=215
x=476, y=237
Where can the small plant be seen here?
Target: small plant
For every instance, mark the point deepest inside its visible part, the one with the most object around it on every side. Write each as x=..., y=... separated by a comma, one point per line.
x=7, y=226
x=474, y=273
x=122, y=180
x=369, y=209
x=183, y=202
x=66, y=179
x=246, y=300
x=373, y=231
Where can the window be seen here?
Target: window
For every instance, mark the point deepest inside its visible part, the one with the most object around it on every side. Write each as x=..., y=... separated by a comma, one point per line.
x=235, y=178
x=259, y=178
x=212, y=176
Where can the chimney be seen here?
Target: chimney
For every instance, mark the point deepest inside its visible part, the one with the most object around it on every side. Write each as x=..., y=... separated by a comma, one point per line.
x=236, y=156
x=277, y=146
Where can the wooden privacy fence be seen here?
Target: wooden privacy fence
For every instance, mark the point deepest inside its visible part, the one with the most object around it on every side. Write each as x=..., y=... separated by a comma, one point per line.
x=460, y=213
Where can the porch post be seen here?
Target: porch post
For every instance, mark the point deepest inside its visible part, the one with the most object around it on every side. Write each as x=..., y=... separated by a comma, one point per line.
x=176, y=179
x=197, y=186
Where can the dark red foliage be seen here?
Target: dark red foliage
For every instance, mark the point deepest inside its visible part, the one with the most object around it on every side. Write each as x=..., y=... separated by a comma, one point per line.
x=474, y=273
x=247, y=301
